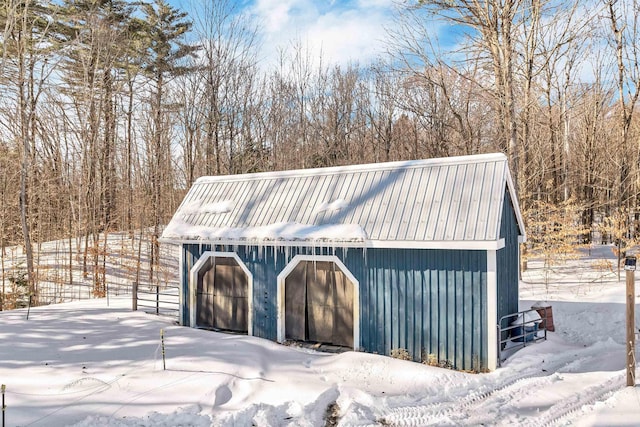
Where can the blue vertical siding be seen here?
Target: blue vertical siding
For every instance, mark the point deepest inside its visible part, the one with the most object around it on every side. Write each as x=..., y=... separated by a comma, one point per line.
x=428, y=302
x=507, y=260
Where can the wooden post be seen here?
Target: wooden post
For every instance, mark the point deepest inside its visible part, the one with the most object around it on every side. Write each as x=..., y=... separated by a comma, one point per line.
x=3, y=388
x=631, y=338
x=134, y=296
x=164, y=363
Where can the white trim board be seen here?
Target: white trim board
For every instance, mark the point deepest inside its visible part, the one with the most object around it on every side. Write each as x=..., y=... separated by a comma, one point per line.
x=492, y=310
x=181, y=293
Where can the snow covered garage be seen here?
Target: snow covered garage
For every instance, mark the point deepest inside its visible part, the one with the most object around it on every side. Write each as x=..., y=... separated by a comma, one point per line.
x=417, y=255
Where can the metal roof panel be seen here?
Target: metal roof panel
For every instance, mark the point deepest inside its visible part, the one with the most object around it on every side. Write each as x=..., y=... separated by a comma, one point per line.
x=452, y=199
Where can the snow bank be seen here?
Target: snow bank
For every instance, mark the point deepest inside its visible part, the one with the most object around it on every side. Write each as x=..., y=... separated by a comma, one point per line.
x=189, y=416
x=527, y=318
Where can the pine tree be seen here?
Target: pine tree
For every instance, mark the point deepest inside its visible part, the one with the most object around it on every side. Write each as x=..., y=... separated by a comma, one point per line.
x=166, y=49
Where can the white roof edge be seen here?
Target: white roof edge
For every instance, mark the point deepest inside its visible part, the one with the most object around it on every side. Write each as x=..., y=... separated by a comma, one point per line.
x=522, y=238
x=392, y=244
x=407, y=164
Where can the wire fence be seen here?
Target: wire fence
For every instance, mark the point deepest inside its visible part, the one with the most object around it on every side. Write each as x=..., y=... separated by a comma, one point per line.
x=67, y=271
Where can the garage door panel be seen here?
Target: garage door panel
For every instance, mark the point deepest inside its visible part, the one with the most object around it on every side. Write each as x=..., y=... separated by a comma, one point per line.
x=223, y=311
x=222, y=296
x=319, y=299
x=205, y=310
x=230, y=313
x=224, y=280
x=207, y=281
x=240, y=283
x=343, y=297
x=320, y=323
x=343, y=327
x=319, y=287
x=241, y=314
x=295, y=297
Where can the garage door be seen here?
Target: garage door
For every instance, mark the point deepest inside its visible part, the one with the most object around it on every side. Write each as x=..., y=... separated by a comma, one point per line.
x=319, y=304
x=222, y=296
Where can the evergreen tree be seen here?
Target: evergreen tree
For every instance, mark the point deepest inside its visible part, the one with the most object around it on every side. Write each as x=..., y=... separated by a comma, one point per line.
x=165, y=54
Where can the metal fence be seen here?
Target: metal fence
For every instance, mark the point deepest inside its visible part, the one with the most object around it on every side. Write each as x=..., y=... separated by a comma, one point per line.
x=162, y=300
x=515, y=332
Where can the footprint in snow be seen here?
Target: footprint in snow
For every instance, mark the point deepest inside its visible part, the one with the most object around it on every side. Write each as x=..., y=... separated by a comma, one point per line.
x=223, y=395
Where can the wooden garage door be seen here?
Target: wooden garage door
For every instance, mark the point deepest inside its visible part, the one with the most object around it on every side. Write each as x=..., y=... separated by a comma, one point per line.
x=319, y=304
x=222, y=296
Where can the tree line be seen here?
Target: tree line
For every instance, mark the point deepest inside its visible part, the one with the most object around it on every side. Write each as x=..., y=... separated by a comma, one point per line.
x=110, y=109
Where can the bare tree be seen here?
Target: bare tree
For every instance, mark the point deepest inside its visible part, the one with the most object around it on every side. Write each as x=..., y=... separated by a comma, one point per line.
x=27, y=47
x=624, y=17
x=494, y=24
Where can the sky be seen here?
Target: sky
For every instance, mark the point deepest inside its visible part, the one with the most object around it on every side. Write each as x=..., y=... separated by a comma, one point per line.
x=339, y=31
x=342, y=30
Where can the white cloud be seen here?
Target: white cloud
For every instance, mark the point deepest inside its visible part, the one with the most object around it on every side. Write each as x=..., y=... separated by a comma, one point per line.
x=342, y=30
x=348, y=36
x=386, y=4
x=276, y=15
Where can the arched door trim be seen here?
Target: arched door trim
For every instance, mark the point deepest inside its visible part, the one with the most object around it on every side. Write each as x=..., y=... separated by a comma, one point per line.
x=281, y=297
x=193, y=285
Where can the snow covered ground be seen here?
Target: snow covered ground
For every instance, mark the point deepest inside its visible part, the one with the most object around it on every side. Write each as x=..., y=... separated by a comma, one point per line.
x=93, y=363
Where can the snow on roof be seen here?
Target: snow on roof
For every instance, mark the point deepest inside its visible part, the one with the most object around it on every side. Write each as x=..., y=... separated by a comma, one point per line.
x=336, y=205
x=268, y=233
x=198, y=206
x=453, y=202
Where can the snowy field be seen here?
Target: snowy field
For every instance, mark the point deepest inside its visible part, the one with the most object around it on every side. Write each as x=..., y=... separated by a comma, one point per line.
x=89, y=363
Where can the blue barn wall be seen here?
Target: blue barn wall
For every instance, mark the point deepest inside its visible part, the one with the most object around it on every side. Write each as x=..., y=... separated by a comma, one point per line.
x=430, y=302
x=507, y=261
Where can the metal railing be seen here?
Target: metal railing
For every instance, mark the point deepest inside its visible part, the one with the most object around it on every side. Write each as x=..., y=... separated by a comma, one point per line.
x=516, y=334
x=161, y=300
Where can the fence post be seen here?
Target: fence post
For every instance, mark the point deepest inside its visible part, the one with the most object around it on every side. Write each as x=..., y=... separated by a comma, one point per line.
x=499, y=345
x=164, y=363
x=4, y=387
x=157, y=299
x=134, y=296
x=631, y=316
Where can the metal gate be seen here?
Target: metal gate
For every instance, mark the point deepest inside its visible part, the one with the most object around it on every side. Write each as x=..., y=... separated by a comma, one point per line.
x=161, y=300
x=514, y=334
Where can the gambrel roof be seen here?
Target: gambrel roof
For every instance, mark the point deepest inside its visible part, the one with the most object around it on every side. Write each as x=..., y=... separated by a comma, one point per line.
x=451, y=203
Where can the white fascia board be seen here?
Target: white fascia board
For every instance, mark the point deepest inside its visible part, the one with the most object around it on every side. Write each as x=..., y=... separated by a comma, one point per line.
x=440, y=244
x=516, y=206
x=479, y=245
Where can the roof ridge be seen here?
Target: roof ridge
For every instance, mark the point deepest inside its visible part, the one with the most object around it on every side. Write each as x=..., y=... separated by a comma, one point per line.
x=365, y=167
